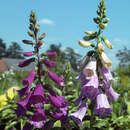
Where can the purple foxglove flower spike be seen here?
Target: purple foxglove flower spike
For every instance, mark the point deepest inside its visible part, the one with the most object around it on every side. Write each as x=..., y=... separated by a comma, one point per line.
x=90, y=69
x=51, y=54
x=28, y=53
x=23, y=105
x=55, y=78
x=26, y=62
x=27, y=81
x=102, y=105
x=38, y=119
x=49, y=64
x=78, y=116
x=113, y=96
x=90, y=89
x=37, y=98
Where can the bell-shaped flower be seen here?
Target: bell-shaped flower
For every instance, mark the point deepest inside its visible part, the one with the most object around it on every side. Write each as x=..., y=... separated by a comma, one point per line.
x=51, y=54
x=28, y=80
x=82, y=79
x=113, y=96
x=102, y=105
x=90, y=69
x=107, y=76
x=23, y=105
x=106, y=61
x=37, y=98
x=55, y=78
x=90, y=89
x=57, y=101
x=49, y=64
x=78, y=116
x=22, y=91
x=80, y=98
x=26, y=62
x=38, y=119
x=100, y=47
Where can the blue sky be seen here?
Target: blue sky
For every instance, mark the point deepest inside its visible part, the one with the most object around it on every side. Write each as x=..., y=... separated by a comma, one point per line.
x=64, y=21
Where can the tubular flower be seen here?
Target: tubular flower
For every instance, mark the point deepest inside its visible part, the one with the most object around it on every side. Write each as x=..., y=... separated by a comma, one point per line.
x=28, y=53
x=23, y=106
x=49, y=64
x=90, y=69
x=28, y=81
x=100, y=47
x=78, y=116
x=55, y=78
x=102, y=105
x=113, y=96
x=82, y=79
x=51, y=54
x=38, y=119
x=26, y=62
x=105, y=61
x=37, y=98
x=90, y=89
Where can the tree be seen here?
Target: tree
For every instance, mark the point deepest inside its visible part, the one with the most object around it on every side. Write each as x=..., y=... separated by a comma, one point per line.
x=14, y=51
x=2, y=48
x=73, y=57
x=124, y=57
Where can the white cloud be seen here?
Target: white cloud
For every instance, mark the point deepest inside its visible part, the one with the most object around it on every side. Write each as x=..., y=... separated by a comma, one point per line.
x=46, y=21
x=121, y=41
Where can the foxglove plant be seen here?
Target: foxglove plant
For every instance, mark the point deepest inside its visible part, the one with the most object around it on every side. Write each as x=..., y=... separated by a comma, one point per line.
x=34, y=98
x=95, y=76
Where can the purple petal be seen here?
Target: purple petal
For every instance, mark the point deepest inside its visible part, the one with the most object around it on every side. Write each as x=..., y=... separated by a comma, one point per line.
x=51, y=54
x=57, y=101
x=107, y=76
x=90, y=89
x=113, y=96
x=26, y=62
x=55, y=78
x=23, y=105
x=22, y=91
x=49, y=64
x=28, y=53
x=102, y=106
x=38, y=119
x=48, y=125
x=37, y=98
x=27, y=81
x=78, y=116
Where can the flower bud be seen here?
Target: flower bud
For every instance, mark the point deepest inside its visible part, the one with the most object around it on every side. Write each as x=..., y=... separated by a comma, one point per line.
x=27, y=42
x=26, y=62
x=103, y=25
x=87, y=38
x=42, y=36
x=85, y=44
x=106, y=61
x=90, y=32
x=30, y=34
x=39, y=43
x=51, y=54
x=37, y=28
x=107, y=43
x=100, y=47
x=106, y=20
x=28, y=53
